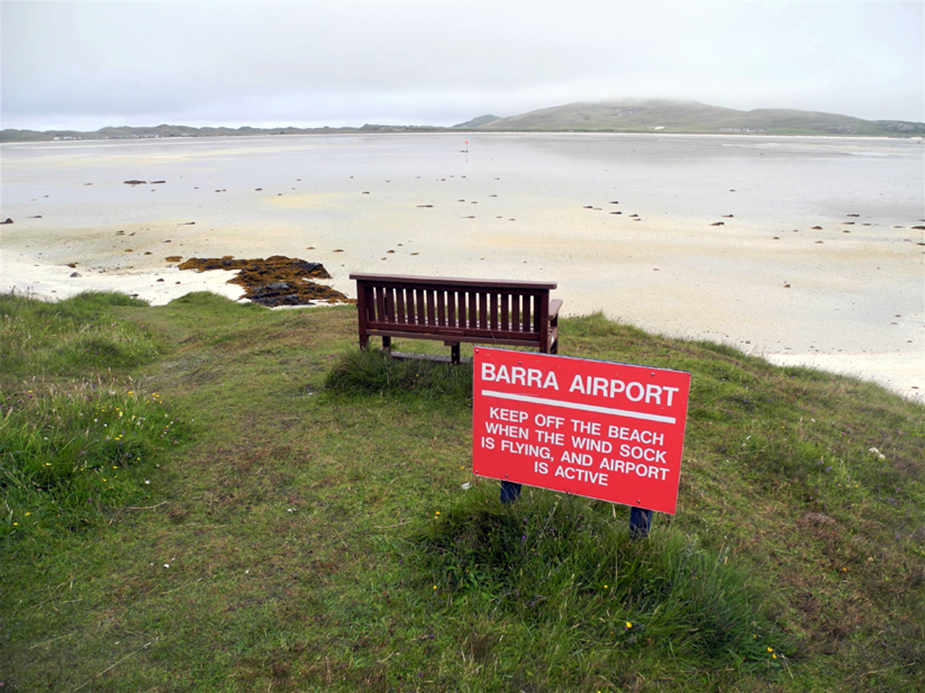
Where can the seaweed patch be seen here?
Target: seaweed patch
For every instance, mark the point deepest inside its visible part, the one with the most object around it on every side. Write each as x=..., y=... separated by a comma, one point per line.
x=275, y=281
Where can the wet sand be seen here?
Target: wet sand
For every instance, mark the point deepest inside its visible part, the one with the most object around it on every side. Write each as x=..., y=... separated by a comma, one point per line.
x=847, y=297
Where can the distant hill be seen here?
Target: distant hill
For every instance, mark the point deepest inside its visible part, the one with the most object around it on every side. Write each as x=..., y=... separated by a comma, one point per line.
x=126, y=132
x=662, y=115
x=652, y=115
x=476, y=122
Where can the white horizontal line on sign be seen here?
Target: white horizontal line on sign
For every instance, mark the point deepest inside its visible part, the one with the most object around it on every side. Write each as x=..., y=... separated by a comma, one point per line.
x=579, y=407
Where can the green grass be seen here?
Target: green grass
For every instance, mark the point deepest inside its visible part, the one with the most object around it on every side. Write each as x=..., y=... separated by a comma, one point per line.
x=71, y=337
x=372, y=372
x=69, y=456
x=568, y=573
x=312, y=522
x=77, y=439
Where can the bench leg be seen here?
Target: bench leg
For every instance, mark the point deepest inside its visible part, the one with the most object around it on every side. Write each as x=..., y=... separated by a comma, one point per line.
x=454, y=353
x=387, y=345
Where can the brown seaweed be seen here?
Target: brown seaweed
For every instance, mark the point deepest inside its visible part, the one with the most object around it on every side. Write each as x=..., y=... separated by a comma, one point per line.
x=275, y=281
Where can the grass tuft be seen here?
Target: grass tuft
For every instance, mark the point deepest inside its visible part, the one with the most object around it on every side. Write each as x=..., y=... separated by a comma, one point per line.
x=71, y=337
x=69, y=456
x=363, y=372
x=565, y=564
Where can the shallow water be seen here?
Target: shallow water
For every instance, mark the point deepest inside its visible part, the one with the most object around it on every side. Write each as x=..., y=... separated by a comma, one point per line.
x=778, y=180
x=715, y=236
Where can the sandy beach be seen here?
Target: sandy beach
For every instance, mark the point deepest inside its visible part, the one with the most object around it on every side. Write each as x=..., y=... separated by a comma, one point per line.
x=838, y=287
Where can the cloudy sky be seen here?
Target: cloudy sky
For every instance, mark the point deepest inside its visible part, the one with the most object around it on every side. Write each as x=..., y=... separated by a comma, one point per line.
x=85, y=65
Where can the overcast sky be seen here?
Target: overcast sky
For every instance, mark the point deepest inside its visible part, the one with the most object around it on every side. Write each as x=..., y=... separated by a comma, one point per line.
x=86, y=65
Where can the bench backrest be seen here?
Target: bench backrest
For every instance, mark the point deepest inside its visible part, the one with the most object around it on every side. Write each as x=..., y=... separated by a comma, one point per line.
x=494, y=309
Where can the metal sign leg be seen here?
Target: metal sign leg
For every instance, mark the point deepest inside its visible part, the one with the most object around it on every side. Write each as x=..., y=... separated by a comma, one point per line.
x=640, y=522
x=509, y=492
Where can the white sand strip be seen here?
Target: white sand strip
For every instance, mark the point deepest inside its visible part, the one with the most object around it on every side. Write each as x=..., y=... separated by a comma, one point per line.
x=50, y=283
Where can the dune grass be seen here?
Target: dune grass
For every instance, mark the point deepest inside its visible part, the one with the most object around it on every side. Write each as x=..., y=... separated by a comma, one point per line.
x=305, y=518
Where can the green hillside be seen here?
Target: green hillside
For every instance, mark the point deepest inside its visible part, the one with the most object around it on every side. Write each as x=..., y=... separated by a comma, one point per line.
x=693, y=117
x=654, y=115
x=210, y=496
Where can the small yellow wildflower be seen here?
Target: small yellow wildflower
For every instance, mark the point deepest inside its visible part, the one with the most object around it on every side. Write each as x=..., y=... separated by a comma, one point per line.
x=629, y=625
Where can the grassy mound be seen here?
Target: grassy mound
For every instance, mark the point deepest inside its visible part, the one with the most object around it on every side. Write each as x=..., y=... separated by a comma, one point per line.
x=373, y=372
x=73, y=336
x=562, y=567
x=313, y=524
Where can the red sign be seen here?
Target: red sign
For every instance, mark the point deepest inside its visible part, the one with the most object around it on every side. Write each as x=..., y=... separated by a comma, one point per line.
x=591, y=428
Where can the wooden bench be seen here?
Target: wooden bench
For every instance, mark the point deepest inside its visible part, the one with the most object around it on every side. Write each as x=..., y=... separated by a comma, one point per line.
x=454, y=310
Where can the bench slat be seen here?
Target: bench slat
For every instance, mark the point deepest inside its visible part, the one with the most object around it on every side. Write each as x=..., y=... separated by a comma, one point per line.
x=461, y=303
x=419, y=305
x=441, y=308
x=514, y=338
x=431, y=308
x=451, y=307
x=506, y=285
x=380, y=302
x=400, y=306
x=390, y=301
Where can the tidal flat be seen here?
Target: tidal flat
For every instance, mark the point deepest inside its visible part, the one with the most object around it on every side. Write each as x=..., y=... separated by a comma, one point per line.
x=801, y=250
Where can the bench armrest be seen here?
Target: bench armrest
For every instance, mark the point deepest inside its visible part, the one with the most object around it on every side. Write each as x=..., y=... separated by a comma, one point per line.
x=554, y=306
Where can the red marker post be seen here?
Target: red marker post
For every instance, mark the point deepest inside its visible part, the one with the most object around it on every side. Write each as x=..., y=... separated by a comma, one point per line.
x=603, y=430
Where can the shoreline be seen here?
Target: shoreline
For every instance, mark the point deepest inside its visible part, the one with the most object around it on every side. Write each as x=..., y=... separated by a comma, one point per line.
x=902, y=373
x=795, y=253
x=427, y=130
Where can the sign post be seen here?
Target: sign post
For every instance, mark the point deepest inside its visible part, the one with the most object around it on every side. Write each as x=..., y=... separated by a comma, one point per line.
x=603, y=430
